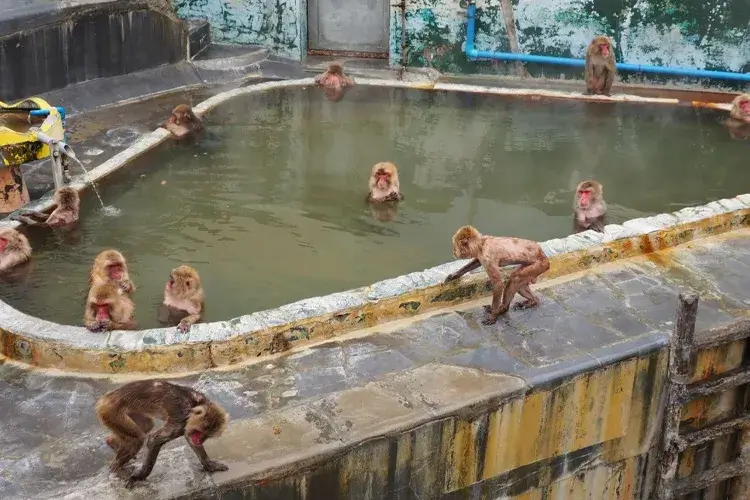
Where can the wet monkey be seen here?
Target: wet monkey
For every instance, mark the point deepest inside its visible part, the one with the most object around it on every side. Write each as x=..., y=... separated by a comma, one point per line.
x=738, y=122
x=183, y=296
x=108, y=308
x=183, y=122
x=334, y=82
x=129, y=413
x=601, y=69
x=589, y=207
x=493, y=252
x=14, y=249
x=383, y=184
x=67, y=207
x=110, y=267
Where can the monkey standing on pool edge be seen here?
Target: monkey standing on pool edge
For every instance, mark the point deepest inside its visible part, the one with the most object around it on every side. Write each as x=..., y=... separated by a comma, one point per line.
x=601, y=69
x=129, y=412
x=493, y=252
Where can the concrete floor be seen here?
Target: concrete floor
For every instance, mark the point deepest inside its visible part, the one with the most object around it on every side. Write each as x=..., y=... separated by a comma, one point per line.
x=307, y=405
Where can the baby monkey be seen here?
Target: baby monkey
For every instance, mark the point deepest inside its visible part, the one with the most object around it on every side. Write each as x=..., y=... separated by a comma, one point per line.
x=384, y=184
x=183, y=294
x=129, y=412
x=110, y=267
x=67, y=206
x=589, y=208
x=334, y=82
x=183, y=122
x=108, y=308
x=14, y=249
x=493, y=253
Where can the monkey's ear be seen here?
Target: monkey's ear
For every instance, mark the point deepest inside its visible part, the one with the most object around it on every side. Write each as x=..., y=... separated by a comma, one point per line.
x=198, y=411
x=187, y=283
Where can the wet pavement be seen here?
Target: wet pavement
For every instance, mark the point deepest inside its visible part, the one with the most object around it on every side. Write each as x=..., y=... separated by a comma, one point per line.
x=292, y=409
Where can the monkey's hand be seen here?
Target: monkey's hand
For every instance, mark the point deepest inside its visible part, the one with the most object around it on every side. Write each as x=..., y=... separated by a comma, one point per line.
x=184, y=326
x=214, y=466
x=127, y=286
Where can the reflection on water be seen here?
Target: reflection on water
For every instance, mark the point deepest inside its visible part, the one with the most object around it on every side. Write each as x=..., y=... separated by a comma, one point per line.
x=269, y=207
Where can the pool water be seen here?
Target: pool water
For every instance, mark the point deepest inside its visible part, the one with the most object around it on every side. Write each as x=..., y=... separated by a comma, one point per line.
x=269, y=205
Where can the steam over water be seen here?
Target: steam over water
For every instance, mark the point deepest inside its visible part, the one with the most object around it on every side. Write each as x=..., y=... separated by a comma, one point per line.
x=269, y=206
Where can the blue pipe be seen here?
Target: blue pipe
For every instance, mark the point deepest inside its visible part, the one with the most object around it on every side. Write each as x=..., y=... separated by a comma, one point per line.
x=474, y=54
x=45, y=112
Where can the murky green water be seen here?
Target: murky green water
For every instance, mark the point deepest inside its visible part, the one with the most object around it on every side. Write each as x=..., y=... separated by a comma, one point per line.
x=269, y=207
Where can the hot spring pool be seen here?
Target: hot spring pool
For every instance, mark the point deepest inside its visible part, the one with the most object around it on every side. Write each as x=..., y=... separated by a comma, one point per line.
x=270, y=209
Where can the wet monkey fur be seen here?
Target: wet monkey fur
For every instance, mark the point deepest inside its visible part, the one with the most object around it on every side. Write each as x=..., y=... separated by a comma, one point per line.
x=183, y=122
x=108, y=308
x=67, y=208
x=14, y=249
x=334, y=82
x=589, y=207
x=492, y=253
x=383, y=184
x=129, y=413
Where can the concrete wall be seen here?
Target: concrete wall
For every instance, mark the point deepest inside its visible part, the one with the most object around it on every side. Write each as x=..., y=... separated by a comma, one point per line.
x=277, y=24
x=689, y=33
x=54, y=44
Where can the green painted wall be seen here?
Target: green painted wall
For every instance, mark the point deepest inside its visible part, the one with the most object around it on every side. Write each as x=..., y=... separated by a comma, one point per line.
x=703, y=34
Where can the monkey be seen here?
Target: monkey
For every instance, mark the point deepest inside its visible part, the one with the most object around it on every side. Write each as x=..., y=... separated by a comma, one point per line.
x=738, y=122
x=108, y=308
x=129, y=413
x=334, y=82
x=384, y=185
x=589, y=207
x=183, y=295
x=493, y=252
x=601, y=69
x=183, y=122
x=14, y=249
x=110, y=267
x=67, y=206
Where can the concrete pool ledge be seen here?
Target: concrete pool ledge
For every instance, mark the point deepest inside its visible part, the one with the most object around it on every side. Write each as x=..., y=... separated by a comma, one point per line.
x=45, y=344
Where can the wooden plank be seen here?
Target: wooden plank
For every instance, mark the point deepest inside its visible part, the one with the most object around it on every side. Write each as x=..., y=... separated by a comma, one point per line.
x=728, y=380
x=709, y=477
x=712, y=432
x=679, y=372
x=720, y=335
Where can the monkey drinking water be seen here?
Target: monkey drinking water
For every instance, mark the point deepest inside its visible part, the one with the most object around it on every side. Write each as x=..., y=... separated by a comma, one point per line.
x=334, y=82
x=67, y=207
x=129, y=413
x=589, y=208
x=493, y=252
x=601, y=68
x=183, y=122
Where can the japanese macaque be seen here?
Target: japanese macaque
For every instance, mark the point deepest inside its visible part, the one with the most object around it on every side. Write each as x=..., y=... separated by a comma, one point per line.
x=492, y=253
x=108, y=308
x=334, y=82
x=110, y=267
x=589, y=208
x=183, y=295
x=384, y=184
x=738, y=122
x=14, y=249
x=67, y=206
x=183, y=121
x=600, y=66
x=129, y=412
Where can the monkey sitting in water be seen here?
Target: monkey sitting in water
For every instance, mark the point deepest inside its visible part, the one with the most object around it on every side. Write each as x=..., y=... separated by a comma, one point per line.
x=129, y=413
x=183, y=122
x=14, y=249
x=334, y=82
x=67, y=205
x=589, y=208
x=183, y=298
x=384, y=185
x=738, y=122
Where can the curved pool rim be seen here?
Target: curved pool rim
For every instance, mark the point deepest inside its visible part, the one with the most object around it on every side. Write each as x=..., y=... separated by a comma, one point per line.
x=41, y=343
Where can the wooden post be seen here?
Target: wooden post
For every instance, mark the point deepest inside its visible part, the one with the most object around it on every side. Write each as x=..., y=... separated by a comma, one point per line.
x=680, y=352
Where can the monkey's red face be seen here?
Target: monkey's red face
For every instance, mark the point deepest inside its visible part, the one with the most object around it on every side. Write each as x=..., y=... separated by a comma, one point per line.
x=584, y=198
x=383, y=178
x=197, y=437
x=745, y=107
x=114, y=271
x=604, y=49
x=102, y=312
x=3, y=244
x=170, y=283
